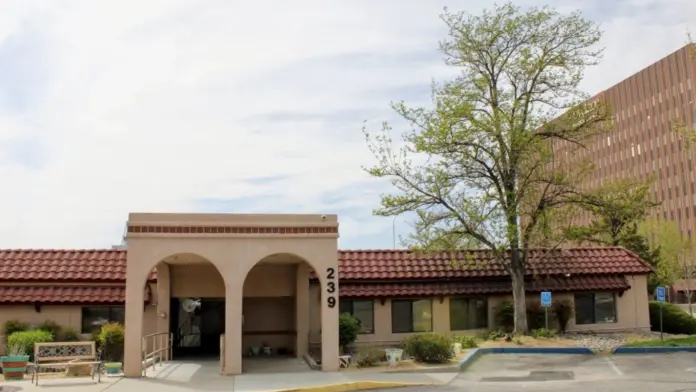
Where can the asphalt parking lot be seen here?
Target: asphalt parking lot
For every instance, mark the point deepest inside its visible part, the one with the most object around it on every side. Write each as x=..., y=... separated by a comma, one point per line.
x=675, y=372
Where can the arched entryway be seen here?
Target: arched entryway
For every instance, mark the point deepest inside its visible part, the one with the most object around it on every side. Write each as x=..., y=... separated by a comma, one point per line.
x=276, y=318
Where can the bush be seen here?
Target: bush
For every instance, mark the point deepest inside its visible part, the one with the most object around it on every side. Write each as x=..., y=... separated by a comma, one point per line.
x=25, y=340
x=111, y=339
x=12, y=326
x=52, y=327
x=466, y=341
x=348, y=328
x=674, y=320
x=544, y=333
x=429, y=347
x=69, y=335
x=505, y=315
x=536, y=316
x=369, y=357
x=563, y=311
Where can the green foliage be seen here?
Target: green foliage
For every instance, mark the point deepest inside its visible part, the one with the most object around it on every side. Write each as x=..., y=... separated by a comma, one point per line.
x=563, y=311
x=536, y=316
x=676, y=251
x=504, y=315
x=689, y=341
x=51, y=327
x=111, y=340
x=544, y=333
x=369, y=357
x=26, y=340
x=69, y=335
x=492, y=176
x=12, y=326
x=465, y=340
x=429, y=347
x=492, y=334
x=674, y=320
x=348, y=329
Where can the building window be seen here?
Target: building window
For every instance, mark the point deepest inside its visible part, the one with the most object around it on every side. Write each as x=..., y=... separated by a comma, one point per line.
x=363, y=310
x=468, y=313
x=94, y=317
x=412, y=315
x=595, y=308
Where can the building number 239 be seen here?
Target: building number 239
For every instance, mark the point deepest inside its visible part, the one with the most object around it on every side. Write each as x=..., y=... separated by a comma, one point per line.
x=331, y=287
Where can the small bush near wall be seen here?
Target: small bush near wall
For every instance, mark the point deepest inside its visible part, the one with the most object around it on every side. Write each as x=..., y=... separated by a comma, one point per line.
x=348, y=329
x=536, y=316
x=12, y=326
x=69, y=335
x=505, y=315
x=369, y=357
x=674, y=320
x=26, y=340
x=466, y=341
x=111, y=340
x=51, y=327
x=429, y=347
x=563, y=311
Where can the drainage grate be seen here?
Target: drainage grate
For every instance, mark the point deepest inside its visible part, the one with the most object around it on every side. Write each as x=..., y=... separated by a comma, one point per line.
x=536, y=375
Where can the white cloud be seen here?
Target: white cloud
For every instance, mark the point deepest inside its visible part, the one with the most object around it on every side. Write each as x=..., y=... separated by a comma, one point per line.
x=151, y=106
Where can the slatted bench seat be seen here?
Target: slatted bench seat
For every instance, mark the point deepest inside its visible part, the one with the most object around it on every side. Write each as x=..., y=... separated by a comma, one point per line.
x=65, y=355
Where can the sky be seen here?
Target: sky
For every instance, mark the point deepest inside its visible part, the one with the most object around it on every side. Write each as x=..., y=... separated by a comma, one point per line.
x=110, y=107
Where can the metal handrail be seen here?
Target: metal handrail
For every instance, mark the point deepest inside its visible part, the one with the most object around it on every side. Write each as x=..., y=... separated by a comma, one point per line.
x=162, y=346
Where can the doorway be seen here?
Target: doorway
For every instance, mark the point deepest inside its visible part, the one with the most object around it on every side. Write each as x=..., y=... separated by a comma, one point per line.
x=197, y=324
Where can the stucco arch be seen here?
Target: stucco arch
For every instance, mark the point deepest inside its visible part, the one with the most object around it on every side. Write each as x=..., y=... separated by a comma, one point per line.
x=289, y=258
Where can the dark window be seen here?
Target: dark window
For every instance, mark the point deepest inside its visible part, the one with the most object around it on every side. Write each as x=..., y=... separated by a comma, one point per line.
x=94, y=317
x=412, y=315
x=595, y=308
x=363, y=310
x=468, y=313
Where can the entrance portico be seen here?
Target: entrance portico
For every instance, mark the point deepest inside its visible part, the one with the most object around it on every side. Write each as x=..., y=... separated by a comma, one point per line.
x=234, y=244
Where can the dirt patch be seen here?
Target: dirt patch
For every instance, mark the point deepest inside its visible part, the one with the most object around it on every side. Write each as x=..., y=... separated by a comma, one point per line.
x=408, y=364
x=528, y=341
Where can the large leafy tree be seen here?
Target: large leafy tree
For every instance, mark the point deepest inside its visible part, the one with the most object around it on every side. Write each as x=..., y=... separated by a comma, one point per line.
x=480, y=167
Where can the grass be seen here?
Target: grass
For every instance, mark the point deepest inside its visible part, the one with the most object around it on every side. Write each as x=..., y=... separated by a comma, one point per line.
x=674, y=342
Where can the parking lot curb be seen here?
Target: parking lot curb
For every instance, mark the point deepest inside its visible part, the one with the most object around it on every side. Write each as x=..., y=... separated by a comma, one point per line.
x=477, y=352
x=354, y=386
x=652, y=350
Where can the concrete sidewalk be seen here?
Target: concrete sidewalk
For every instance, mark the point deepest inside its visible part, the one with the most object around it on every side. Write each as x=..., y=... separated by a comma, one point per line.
x=196, y=377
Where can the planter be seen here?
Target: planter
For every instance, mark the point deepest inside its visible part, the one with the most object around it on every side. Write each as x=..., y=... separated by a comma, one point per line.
x=113, y=367
x=255, y=350
x=14, y=366
x=394, y=356
x=267, y=350
x=456, y=348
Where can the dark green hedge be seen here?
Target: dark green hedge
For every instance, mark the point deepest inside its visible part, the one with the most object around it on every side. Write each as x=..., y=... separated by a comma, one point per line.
x=674, y=320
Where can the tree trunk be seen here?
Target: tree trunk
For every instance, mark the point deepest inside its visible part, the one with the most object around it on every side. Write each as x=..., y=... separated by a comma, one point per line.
x=688, y=301
x=519, y=298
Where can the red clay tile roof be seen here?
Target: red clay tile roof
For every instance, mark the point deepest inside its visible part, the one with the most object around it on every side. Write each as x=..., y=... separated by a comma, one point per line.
x=405, y=264
x=556, y=284
x=63, y=294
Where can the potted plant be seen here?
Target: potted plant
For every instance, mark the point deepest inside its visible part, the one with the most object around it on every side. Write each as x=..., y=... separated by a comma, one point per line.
x=113, y=368
x=14, y=365
x=266, y=348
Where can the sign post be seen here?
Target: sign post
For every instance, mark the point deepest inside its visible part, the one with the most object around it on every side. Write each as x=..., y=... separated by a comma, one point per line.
x=546, y=304
x=660, y=291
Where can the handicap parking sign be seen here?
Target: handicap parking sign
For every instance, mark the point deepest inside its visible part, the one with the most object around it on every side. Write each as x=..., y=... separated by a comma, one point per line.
x=546, y=299
x=660, y=294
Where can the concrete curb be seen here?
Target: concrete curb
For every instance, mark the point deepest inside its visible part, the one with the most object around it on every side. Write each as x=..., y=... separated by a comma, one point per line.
x=477, y=352
x=652, y=350
x=353, y=386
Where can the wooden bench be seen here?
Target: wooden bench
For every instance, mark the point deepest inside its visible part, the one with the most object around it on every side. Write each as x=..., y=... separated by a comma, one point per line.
x=65, y=355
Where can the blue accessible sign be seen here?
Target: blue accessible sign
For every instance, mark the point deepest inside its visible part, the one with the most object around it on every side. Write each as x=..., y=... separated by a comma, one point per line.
x=660, y=294
x=546, y=299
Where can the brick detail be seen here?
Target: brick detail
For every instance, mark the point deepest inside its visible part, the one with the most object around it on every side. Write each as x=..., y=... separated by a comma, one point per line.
x=230, y=230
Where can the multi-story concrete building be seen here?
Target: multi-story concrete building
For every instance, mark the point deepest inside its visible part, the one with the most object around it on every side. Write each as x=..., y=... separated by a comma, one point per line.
x=646, y=106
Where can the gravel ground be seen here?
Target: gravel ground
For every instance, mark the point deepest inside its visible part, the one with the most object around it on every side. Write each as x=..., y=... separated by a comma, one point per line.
x=606, y=342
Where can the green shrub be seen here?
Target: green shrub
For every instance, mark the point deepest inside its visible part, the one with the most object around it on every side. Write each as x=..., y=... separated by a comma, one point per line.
x=12, y=326
x=536, y=316
x=52, y=327
x=563, y=311
x=504, y=315
x=369, y=357
x=544, y=333
x=674, y=320
x=466, y=341
x=348, y=328
x=26, y=340
x=429, y=347
x=69, y=335
x=111, y=340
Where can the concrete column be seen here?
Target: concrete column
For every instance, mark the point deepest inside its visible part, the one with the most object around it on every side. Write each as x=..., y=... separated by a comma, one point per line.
x=302, y=310
x=329, y=329
x=135, y=301
x=233, y=326
x=163, y=300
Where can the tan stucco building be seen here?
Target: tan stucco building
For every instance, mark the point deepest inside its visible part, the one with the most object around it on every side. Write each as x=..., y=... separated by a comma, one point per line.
x=228, y=284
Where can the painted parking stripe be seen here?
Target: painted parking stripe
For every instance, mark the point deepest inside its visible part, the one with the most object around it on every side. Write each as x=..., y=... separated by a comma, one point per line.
x=612, y=364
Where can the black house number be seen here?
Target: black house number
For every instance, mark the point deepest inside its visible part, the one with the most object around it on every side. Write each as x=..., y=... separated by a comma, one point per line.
x=331, y=287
